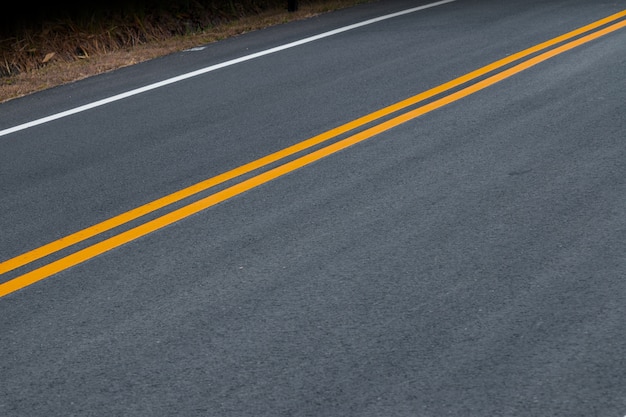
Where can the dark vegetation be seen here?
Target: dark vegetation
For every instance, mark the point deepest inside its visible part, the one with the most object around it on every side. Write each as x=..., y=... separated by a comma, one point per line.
x=33, y=35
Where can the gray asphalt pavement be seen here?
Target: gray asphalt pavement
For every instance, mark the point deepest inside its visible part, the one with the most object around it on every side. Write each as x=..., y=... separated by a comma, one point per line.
x=468, y=262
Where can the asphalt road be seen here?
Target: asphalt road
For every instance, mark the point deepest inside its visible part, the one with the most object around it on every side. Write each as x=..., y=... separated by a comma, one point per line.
x=462, y=259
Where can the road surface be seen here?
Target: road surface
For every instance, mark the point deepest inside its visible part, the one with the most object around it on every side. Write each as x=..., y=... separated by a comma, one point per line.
x=398, y=209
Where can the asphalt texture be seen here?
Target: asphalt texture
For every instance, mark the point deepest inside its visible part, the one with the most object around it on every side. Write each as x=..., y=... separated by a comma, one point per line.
x=469, y=262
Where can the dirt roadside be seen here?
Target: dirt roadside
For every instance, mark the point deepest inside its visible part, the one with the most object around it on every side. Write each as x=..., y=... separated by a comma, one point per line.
x=58, y=72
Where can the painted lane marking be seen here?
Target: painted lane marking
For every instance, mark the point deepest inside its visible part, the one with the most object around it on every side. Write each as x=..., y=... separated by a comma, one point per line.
x=214, y=68
x=109, y=224
x=207, y=202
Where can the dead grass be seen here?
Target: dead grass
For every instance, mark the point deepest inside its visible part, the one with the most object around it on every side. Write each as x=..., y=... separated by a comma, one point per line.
x=63, y=54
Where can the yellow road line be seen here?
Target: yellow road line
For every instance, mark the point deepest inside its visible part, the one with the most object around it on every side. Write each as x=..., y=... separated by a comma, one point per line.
x=165, y=201
x=193, y=208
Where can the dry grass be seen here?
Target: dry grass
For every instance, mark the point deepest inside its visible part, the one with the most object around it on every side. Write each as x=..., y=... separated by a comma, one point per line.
x=63, y=53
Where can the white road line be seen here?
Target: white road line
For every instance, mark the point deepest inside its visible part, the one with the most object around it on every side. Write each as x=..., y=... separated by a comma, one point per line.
x=214, y=67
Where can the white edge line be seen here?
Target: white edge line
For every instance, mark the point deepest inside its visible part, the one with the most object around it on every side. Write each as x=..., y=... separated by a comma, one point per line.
x=213, y=68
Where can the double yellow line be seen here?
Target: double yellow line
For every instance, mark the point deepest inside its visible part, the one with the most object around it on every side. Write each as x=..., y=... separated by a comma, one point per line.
x=532, y=56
